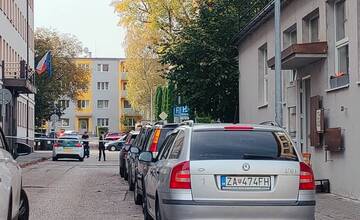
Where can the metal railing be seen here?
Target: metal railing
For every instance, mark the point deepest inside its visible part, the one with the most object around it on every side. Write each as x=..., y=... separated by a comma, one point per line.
x=17, y=70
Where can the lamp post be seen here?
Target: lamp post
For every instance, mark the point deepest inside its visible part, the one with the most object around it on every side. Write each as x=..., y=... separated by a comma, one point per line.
x=27, y=69
x=278, y=76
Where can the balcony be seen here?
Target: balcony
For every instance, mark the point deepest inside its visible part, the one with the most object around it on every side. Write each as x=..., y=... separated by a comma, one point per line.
x=300, y=55
x=130, y=112
x=123, y=76
x=16, y=79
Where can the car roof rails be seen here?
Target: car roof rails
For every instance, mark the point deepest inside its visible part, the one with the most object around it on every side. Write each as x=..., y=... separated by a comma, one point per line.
x=270, y=123
x=160, y=123
x=188, y=122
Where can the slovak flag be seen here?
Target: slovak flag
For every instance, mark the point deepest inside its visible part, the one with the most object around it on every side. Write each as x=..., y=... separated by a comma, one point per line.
x=44, y=64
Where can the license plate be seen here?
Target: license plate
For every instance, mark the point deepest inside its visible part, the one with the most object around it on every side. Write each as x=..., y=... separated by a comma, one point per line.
x=246, y=183
x=68, y=150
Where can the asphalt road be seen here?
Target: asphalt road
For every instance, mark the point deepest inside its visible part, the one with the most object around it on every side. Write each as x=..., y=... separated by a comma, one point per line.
x=68, y=189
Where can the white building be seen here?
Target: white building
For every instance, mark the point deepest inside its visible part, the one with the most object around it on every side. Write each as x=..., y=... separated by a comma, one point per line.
x=17, y=49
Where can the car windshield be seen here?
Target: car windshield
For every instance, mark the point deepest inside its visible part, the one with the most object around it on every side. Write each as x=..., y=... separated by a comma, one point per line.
x=235, y=145
x=68, y=141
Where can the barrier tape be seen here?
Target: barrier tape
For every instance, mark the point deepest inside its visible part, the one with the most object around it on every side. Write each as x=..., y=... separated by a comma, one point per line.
x=57, y=139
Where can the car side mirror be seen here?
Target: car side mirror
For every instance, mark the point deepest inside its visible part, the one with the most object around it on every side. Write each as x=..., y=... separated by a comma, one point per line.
x=134, y=150
x=23, y=149
x=146, y=157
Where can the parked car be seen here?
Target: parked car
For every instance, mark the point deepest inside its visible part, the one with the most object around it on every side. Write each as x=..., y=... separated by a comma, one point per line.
x=130, y=137
x=138, y=145
x=68, y=147
x=221, y=171
x=114, y=145
x=41, y=142
x=113, y=136
x=14, y=203
x=154, y=143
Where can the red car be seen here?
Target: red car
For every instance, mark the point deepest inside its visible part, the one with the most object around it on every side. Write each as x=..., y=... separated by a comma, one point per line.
x=113, y=136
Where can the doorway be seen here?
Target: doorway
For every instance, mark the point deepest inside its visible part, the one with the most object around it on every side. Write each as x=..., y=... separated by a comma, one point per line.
x=304, y=110
x=83, y=125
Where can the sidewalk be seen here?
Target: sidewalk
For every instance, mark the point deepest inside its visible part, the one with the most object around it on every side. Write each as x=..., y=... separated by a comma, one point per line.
x=33, y=158
x=332, y=207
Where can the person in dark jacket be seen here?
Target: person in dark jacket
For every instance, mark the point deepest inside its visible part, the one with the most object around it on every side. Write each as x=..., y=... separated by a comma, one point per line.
x=85, y=138
x=102, y=146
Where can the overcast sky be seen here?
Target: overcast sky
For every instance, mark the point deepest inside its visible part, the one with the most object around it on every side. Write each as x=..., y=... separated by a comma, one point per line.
x=92, y=21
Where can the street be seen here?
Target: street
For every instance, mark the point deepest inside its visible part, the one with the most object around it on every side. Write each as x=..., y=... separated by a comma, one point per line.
x=79, y=190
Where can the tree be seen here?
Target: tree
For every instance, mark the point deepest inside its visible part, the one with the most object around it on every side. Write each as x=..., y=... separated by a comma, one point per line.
x=66, y=80
x=203, y=58
x=158, y=102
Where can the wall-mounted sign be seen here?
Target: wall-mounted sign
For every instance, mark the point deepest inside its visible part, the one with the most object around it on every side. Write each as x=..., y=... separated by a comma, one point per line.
x=320, y=121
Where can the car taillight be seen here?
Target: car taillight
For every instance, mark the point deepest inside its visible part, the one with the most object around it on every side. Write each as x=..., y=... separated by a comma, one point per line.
x=307, y=181
x=180, y=176
x=238, y=128
x=56, y=145
x=153, y=146
x=78, y=145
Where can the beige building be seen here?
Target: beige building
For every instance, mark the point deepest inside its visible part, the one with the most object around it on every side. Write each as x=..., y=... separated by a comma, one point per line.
x=321, y=83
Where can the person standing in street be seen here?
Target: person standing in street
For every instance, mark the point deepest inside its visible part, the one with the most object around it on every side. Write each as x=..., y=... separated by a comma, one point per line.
x=101, y=146
x=85, y=138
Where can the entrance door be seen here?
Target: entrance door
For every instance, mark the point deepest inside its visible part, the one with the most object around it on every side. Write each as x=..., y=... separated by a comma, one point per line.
x=83, y=125
x=304, y=109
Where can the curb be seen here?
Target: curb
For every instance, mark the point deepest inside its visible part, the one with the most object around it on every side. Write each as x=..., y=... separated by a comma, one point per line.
x=23, y=165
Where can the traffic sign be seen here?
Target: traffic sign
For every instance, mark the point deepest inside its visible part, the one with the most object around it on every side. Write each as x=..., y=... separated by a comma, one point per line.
x=163, y=115
x=5, y=96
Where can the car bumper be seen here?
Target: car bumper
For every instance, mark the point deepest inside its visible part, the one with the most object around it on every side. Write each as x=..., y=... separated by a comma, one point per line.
x=188, y=209
x=76, y=153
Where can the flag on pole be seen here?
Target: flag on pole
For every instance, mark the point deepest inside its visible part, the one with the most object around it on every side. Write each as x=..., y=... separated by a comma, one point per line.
x=44, y=64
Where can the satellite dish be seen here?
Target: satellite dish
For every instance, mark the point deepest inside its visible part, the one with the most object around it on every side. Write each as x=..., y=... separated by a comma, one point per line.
x=86, y=50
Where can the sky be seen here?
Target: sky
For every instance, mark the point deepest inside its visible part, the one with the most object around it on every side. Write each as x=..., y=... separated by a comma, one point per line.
x=93, y=22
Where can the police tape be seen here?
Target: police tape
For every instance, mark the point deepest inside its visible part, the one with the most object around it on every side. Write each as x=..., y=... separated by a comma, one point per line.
x=37, y=139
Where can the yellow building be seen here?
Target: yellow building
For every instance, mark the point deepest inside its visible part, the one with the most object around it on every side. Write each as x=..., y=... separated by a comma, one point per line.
x=104, y=105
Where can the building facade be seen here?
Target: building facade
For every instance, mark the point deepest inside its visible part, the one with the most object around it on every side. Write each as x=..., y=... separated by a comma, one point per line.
x=321, y=83
x=105, y=104
x=17, y=67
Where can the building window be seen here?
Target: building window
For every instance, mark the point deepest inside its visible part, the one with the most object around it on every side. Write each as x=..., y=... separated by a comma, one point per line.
x=64, y=103
x=127, y=104
x=103, y=85
x=65, y=122
x=263, y=83
x=311, y=27
x=103, y=104
x=124, y=86
x=83, y=104
x=292, y=122
x=84, y=66
x=341, y=76
x=290, y=36
x=103, y=122
x=130, y=122
x=103, y=67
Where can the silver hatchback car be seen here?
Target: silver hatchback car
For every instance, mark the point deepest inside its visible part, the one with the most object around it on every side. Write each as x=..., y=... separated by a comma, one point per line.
x=228, y=171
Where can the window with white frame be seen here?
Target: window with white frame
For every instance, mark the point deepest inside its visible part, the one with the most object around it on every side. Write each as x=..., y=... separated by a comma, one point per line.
x=103, y=122
x=341, y=76
x=83, y=104
x=103, y=85
x=103, y=67
x=103, y=104
x=64, y=103
x=127, y=104
x=263, y=76
x=84, y=66
x=65, y=122
x=289, y=76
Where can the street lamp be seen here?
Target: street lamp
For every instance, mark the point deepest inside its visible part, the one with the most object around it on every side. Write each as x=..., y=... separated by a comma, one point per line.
x=278, y=76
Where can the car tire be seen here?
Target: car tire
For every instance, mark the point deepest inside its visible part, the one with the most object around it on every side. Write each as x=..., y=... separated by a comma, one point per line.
x=121, y=171
x=9, y=215
x=147, y=216
x=126, y=174
x=157, y=209
x=112, y=148
x=24, y=209
x=54, y=159
x=137, y=196
x=130, y=182
x=81, y=159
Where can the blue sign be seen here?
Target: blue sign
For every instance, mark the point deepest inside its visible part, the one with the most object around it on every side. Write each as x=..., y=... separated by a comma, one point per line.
x=181, y=111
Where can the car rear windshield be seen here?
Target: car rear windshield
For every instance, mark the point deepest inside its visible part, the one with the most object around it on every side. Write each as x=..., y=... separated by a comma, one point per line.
x=163, y=134
x=235, y=145
x=68, y=141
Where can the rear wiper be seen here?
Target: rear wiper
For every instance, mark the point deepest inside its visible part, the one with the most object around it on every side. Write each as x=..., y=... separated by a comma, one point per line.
x=258, y=157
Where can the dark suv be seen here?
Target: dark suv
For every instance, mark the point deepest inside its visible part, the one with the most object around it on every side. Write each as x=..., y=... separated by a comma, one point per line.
x=130, y=137
x=154, y=144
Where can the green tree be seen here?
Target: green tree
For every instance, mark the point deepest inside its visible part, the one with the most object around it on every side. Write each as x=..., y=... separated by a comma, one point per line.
x=203, y=57
x=158, y=102
x=67, y=79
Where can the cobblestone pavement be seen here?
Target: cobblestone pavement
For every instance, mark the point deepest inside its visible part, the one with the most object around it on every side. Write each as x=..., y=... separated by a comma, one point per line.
x=69, y=189
x=331, y=207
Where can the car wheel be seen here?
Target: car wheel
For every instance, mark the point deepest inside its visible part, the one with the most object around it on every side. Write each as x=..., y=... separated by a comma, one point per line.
x=54, y=159
x=81, y=159
x=126, y=174
x=137, y=196
x=130, y=182
x=24, y=206
x=112, y=148
x=121, y=171
x=9, y=215
x=147, y=216
x=157, y=209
